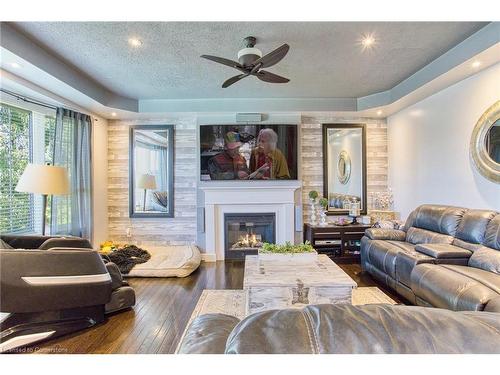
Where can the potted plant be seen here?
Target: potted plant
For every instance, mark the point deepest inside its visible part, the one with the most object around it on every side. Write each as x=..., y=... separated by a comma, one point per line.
x=288, y=252
x=313, y=195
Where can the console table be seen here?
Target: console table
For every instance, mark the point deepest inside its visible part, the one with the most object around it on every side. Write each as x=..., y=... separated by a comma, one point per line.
x=341, y=243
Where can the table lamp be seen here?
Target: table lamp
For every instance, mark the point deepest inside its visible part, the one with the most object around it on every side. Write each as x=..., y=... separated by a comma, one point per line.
x=45, y=180
x=146, y=181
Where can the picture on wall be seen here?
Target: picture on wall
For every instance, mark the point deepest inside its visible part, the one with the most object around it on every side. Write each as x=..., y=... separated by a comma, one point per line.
x=248, y=152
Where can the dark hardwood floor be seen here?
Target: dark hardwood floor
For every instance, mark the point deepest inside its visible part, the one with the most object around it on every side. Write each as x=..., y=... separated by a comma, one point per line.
x=162, y=311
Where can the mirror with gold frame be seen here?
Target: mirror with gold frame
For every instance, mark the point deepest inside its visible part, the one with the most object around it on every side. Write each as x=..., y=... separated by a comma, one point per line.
x=485, y=143
x=344, y=167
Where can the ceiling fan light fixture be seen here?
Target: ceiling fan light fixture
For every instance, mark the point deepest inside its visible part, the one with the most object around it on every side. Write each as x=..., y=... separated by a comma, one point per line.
x=251, y=63
x=249, y=51
x=247, y=56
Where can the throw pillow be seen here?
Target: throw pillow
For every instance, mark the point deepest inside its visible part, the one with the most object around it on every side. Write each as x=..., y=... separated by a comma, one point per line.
x=388, y=224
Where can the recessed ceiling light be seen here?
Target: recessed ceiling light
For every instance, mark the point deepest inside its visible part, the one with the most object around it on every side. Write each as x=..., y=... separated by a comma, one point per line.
x=15, y=65
x=379, y=112
x=113, y=114
x=368, y=41
x=476, y=64
x=134, y=42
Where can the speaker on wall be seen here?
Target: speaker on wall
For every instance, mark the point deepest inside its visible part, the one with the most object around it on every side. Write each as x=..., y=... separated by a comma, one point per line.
x=248, y=117
x=298, y=219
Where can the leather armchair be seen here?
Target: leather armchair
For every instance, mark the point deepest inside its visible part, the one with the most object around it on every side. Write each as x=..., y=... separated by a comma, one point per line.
x=346, y=329
x=51, y=292
x=45, y=280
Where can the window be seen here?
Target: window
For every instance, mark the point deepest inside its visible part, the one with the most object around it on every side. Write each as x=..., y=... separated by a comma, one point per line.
x=26, y=136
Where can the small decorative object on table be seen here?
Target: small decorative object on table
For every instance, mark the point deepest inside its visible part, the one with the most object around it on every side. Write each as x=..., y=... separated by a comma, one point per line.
x=341, y=221
x=323, y=204
x=287, y=252
x=366, y=220
x=354, y=211
x=313, y=195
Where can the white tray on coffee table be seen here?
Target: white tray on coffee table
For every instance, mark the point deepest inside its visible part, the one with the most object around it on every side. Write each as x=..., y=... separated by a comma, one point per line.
x=277, y=285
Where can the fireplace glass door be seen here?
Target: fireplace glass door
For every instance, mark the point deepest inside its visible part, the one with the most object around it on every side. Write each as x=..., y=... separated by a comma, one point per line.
x=245, y=233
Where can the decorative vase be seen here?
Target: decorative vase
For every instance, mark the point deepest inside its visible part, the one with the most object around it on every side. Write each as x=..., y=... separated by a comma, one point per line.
x=322, y=218
x=314, y=215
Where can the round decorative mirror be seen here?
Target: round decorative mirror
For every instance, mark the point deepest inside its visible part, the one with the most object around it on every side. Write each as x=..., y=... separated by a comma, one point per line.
x=344, y=167
x=485, y=143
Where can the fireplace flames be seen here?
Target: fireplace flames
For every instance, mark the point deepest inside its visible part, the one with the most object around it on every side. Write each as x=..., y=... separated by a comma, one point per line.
x=248, y=241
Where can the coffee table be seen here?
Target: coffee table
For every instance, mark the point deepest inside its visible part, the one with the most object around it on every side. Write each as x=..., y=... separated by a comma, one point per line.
x=275, y=284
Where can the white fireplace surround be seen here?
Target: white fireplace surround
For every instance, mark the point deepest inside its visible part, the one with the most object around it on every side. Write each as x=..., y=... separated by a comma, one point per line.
x=276, y=197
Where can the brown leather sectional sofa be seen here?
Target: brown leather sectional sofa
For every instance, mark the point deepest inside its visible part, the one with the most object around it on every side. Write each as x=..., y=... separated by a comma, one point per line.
x=346, y=329
x=445, y=256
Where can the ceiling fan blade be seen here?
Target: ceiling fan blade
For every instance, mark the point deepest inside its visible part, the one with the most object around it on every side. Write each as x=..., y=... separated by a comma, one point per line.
x=227, y=62
x=271, y=77
x=234, y=79
x=274, y=57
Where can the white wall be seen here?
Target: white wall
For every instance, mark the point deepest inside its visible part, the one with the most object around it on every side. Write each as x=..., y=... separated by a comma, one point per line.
x=429, y=147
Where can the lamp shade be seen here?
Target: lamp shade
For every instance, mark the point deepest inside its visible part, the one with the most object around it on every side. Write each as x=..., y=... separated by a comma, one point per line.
x=44, y=179
x=146, y=181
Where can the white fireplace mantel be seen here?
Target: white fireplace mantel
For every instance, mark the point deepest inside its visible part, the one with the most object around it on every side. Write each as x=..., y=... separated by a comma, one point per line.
x=276, y=197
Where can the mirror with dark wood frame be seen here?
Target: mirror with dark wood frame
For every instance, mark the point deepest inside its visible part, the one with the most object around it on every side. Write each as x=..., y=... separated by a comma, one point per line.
x=151, y=185
x=344, y=167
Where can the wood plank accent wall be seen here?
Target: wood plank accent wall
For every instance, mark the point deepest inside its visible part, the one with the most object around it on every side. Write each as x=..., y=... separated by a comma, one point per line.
x=182, y=228
x=155, y=231
x=312, y=155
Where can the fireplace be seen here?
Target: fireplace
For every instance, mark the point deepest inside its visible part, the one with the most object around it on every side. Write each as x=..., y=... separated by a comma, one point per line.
x=245, y=233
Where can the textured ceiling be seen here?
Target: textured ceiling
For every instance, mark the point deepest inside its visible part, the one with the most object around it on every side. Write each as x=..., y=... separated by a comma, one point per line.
x=325, y=59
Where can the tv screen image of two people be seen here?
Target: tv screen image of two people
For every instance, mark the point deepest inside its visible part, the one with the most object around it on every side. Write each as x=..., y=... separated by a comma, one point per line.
x=248, y=152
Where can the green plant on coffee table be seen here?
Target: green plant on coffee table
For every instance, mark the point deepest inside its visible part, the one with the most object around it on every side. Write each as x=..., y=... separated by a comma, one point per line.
x=288, y=247
x=323, y=202
x=313, y=195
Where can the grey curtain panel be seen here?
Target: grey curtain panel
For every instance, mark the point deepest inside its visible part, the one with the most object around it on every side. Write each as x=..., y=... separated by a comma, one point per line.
x=72, y=214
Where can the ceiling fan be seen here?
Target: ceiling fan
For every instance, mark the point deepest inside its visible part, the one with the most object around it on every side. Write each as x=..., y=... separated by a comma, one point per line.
x=251, y=62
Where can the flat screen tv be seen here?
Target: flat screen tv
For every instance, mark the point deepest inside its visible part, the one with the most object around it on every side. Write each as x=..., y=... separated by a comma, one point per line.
x=248, y=152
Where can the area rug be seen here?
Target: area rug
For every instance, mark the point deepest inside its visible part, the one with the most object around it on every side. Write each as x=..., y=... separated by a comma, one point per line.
x=233, y=302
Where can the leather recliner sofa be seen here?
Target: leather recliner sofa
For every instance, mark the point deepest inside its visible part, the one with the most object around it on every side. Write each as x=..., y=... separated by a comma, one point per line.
x=345, y=329
x=51, y=286
x=447, y=257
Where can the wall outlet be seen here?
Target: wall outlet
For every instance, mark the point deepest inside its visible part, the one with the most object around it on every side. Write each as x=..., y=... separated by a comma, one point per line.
x=129, y=232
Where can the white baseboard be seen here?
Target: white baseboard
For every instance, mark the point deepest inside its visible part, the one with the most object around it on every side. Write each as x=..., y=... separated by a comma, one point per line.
x=208, y=257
